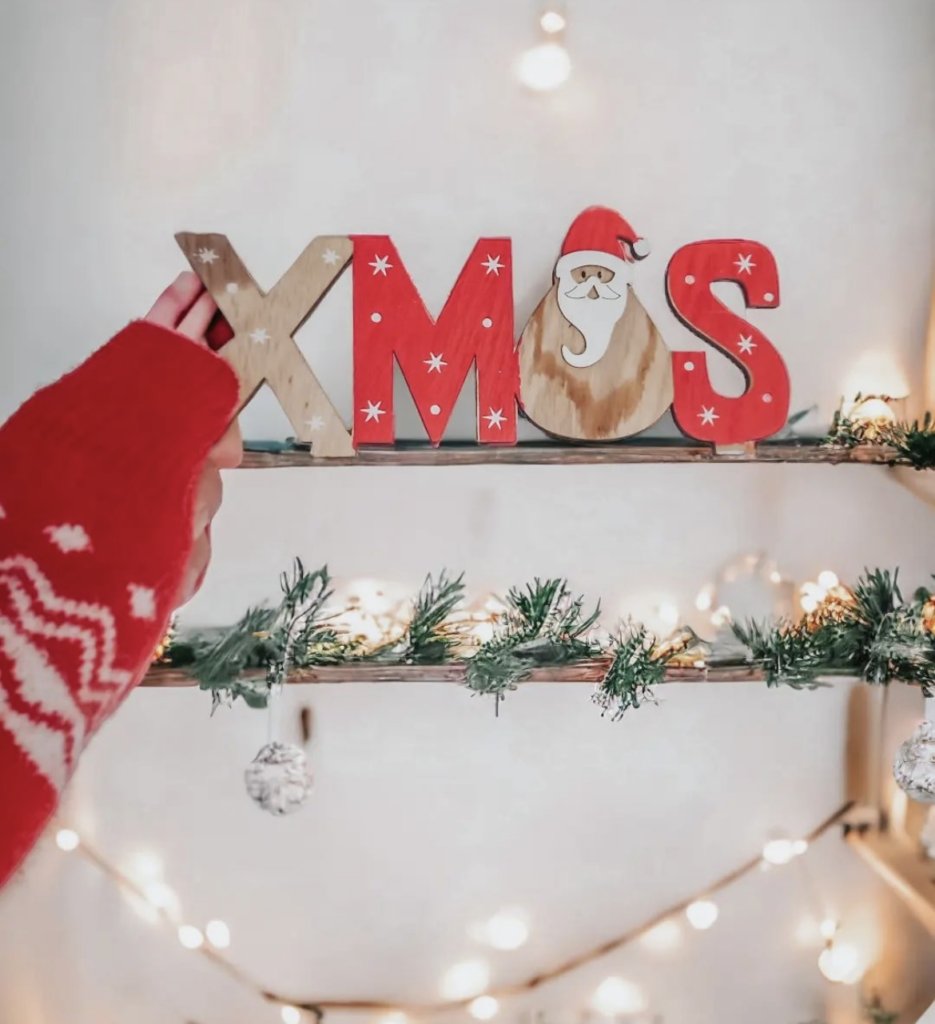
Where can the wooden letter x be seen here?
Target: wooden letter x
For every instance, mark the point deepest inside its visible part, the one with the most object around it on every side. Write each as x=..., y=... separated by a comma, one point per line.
x=263, y=349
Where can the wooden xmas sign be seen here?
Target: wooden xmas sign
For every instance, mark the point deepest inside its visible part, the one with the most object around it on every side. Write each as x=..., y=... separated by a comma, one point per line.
x=589, y=366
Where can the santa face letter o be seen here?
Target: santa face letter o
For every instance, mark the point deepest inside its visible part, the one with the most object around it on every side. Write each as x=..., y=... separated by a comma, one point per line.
x=593, y=366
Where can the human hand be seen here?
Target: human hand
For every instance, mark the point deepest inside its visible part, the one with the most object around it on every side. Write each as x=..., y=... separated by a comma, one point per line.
x=187, y=308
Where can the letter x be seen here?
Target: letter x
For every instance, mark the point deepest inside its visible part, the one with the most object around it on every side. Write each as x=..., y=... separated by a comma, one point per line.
x=263, y=349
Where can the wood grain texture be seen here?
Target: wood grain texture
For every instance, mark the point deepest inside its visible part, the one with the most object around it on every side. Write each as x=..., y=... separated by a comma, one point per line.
x=624, y=392
x=263, y=349
x=698, y=409
x=581, y=672
x=558, y=455
x=907, y=872
x=474, y=328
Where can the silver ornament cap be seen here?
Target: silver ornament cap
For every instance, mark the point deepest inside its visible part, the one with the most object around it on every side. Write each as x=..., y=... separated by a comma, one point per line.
x=914, y=765
x=278, y=779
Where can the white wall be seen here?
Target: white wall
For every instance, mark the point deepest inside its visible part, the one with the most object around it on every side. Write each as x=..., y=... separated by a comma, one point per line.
x=808, y=125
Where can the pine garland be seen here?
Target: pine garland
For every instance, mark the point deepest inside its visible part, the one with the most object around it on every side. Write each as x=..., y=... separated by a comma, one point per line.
x=871, y=632
x=912, y=443
x=875, y=635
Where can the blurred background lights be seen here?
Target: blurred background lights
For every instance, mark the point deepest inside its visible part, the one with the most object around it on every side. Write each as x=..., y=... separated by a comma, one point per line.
x=465, y=980
x=544, y=67
x=666, y=935
x=484, y=1008
x=67, y=839
x=702, y=914
x=552, y=21
x=219, y=935
x=616, y=996
x=841, y=963
x=190, y=937
x=506, y=930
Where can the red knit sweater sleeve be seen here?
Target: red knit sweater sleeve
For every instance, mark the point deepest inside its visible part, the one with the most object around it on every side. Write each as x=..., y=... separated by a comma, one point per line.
x=97, y=480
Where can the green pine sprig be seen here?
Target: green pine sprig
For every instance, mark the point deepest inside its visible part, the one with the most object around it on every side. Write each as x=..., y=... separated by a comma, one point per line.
x=633, y=672
x=912, y=443
x=544, y=625
x=429, y=638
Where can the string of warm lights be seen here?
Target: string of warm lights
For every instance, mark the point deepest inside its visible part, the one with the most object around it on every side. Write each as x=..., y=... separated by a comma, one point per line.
x=466, y=985
x=546, y=65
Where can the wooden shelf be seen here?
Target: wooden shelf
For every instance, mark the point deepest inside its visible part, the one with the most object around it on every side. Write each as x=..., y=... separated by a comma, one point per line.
x=579, y=672
x=273, y=456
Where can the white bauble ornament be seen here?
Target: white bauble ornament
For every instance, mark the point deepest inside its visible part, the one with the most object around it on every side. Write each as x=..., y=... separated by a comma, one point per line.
x=914, y=765
x=278, y=780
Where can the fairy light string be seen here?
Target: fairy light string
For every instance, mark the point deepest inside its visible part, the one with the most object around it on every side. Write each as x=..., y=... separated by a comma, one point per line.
x=317, y=1007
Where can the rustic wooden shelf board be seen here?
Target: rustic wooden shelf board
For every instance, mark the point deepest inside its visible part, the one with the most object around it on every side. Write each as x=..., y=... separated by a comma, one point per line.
x=659, y=451
x=581, y=672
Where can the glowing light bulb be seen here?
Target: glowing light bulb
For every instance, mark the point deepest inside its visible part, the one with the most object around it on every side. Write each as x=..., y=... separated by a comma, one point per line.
x=775, y=576
x=190, y=936
x=809, y=603
x=702, y=914
x=290, y=1015
x=465, y=980
x=552, y=22
x=506, y=930
x=841, y=963
x=484, y=1008
x=616, y=996
x=160, y=896
x=704, y=599
x=666, y=935
x=873, y=410
x=219, y=935
x=67, y=839
x=668, y=613
x=799, y=847
x=544, y=67
x=396, y=1017
x=828, y=579
x=828, y=928
x=779, y=851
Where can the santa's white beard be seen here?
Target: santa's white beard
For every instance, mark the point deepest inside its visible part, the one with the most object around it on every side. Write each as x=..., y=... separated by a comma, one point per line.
x=594, y=318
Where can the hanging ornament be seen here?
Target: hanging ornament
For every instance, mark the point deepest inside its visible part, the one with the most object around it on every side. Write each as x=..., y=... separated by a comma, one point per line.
x=278, y=779
x=914, y=765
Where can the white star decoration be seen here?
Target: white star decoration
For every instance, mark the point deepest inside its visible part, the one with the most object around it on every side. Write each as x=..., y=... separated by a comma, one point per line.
x=142, y=602
x=746, y=343
x=330, y=257
x=744, y=264
x=434, y=362
x=207, y=255
x=708, y=416
x=315, y=424
x=381, y=264
x=495, y=418
x=493, y=264
x=373, y=411
x=260, y=336
x=69, y=537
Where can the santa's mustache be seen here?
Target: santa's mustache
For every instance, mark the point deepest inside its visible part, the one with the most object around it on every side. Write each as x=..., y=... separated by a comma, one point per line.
x=583, y=290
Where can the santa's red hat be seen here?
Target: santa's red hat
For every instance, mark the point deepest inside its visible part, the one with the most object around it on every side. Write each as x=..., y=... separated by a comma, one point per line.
x=599, y=231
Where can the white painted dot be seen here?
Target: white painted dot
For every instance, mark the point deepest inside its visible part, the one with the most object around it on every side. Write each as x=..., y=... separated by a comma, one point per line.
x=767, y=398
x=435, y=410
x=487, y=322
x=769, y=296
x=232, y=287
x=689, y=279
x=375, y=317
x=689, y=366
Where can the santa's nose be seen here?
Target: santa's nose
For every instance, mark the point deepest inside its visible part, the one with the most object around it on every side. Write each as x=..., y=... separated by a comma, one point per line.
x=593, y=293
